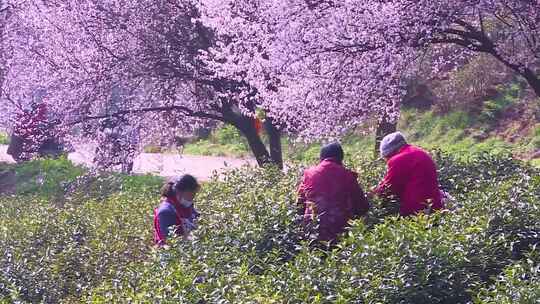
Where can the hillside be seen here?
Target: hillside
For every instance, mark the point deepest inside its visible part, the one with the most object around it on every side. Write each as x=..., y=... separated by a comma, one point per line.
x=456, y=131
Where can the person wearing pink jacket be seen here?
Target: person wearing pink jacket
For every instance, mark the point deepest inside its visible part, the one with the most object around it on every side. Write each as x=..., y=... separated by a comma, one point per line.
x=331, y=192
x=411, y=176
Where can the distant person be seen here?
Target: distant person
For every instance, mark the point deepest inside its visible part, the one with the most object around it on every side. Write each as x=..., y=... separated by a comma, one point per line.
x=411, y=176
x=176, y=212
x=331, y=192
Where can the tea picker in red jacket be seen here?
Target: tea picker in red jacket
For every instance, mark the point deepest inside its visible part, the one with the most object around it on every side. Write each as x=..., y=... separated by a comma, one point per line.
x=331, y=192
x=176, y=214
x=411, y=176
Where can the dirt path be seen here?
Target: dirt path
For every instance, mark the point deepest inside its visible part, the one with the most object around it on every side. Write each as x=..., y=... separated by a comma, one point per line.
x=202, y=167
x=4, y=157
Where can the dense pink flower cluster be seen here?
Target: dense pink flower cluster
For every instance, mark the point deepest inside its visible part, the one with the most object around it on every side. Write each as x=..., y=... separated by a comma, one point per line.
x=131, y=61
x=335, y=63
x=316, y=67
x=34, y=130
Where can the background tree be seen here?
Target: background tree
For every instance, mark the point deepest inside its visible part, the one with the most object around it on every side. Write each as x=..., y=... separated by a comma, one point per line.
x=34, y=133
x=329, y=69
x=337, y=63
x=82, y=50
x=506, y=30
x=7, y=11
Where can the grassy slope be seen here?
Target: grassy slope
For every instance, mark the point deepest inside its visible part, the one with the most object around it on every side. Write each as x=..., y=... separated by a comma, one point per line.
x=226, y=141
x=458, y=132
x=490, y=128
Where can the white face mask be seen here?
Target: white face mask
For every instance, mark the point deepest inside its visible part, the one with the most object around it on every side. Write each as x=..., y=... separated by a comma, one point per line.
x=185, y=203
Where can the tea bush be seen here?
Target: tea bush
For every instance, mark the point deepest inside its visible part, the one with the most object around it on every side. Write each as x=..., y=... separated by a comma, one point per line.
x=518, y=283
x=45, y=177
x=250, y=247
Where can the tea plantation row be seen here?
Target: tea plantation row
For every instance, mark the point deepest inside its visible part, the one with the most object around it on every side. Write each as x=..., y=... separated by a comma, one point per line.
x=95, y=244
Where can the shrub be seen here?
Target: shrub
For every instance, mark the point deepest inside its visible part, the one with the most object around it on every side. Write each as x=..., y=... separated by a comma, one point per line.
x=518, y=283
x=494, y=108
x=52, y=254
x=250, y=247
x=101, y=185
x=35, y=133
x=534, y=144
x=46, y=177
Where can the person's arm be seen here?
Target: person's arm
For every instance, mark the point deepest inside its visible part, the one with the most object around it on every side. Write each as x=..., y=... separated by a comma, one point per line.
x=393, y=180
x=167, y=219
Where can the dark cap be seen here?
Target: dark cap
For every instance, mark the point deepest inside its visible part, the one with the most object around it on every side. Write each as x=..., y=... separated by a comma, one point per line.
x=334, y=151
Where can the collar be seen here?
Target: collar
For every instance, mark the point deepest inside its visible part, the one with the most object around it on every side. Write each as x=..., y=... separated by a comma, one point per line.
x=332, y=160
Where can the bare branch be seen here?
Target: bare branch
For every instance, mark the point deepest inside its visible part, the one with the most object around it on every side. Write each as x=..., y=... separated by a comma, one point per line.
x=185, y=110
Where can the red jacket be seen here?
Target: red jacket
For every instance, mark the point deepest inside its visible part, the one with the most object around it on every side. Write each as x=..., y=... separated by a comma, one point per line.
x=170, y=213
x=412, y=177
x=332, y=192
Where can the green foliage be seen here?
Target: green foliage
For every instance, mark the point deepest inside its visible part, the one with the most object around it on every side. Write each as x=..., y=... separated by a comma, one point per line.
x=303, y=153
x=450, y=132
x=4, y=138
x=224, y=141
x=141, y=183
x=431, y=127
x=519, y=283
x=52, y=254
x=494, y=108
x=534, y=144
x=48, y=177
x=453, y=132
x=228, y=134
x=100, y=186
x=250, y=247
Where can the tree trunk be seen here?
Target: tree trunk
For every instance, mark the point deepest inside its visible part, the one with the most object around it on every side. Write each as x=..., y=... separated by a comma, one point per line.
x=246, y=126
x=15, y=148
x=274, y=136
x=3, y=21
x=533, y=81
x=384, y=127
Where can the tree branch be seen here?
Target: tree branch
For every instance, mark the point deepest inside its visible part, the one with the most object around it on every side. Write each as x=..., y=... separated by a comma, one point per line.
x=185, y=110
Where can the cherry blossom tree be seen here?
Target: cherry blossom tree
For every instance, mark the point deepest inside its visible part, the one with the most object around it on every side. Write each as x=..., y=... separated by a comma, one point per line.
x=335, y=63
x=507, y=30
x=148, y=51
x=317, y=68
x=3, y=20
x=34, y=133
x=7, y=8
x=329, y=69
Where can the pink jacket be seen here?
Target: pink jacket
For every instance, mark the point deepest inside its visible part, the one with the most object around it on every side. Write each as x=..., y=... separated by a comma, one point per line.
x=412, y=177
x=332, y=192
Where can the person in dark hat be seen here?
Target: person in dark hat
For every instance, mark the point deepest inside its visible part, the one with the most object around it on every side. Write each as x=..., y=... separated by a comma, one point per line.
x=331, y=192
x=411, y=176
